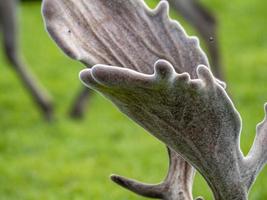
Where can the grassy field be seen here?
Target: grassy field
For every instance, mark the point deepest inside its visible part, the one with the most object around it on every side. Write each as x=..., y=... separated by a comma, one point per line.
x=69, y=159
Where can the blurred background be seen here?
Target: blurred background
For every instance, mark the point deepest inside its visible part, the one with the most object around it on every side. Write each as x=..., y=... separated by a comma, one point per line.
x=72, y=159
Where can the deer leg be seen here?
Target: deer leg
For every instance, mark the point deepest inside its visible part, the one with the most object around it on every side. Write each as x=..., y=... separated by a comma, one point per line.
x=205, y=23
x=80, y=102
x=9, y=23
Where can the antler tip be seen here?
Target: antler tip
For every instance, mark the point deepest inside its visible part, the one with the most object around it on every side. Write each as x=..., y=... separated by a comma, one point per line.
x=163, y=6
x=120, y=180
x=84, y=76
x=115, y=178
x=163, y=69
x=205, y=74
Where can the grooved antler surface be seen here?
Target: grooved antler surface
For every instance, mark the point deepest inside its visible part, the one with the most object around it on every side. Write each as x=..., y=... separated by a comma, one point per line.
x=195, y=117
x=121, y=33
x=179, y=101
x=126, y=34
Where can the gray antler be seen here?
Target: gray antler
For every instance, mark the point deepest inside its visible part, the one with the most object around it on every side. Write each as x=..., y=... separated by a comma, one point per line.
x=195, y=117
x=176, y=186
x=201, y=19
x=179, y=101
x=110, y=38
x=121, y=33
x=257, y=157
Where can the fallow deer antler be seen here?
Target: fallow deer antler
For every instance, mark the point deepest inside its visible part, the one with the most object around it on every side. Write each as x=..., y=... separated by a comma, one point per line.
x=176, y=186
x=195, y=117
x=126, y=34
x=181, y=103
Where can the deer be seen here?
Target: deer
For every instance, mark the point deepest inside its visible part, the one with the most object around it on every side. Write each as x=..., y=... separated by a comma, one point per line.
x=8, y=26
x=156, y=74
x=205, y=24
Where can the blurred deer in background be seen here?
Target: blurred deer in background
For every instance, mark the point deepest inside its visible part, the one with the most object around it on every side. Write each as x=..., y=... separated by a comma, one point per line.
x=205, y=24
x=8, y=26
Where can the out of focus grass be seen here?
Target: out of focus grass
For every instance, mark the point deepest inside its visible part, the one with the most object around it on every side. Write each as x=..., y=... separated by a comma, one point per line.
x=69, y=159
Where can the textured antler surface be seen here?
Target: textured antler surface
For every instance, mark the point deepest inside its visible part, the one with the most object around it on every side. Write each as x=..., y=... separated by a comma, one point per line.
x=126, y=34
x=179, y=101
x=195, y=117
x=121, y=33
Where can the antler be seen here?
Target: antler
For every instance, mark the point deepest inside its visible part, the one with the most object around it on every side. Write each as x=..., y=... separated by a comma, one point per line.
x=195, y=117
x=121, y=33
x=176, y=186
x=126, y=34
x=257, y=157
x=182, y=104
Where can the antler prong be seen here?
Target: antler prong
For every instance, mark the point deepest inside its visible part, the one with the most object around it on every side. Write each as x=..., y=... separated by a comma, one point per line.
x=176, y=186
x=257, y=157
x=146, y=190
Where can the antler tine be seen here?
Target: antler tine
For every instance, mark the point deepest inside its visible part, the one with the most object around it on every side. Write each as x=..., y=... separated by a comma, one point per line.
x=146, y=190
x=257, y=157
x=176, y=186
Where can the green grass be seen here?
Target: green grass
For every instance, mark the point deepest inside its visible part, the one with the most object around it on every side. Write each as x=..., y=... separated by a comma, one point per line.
x=69, y=159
